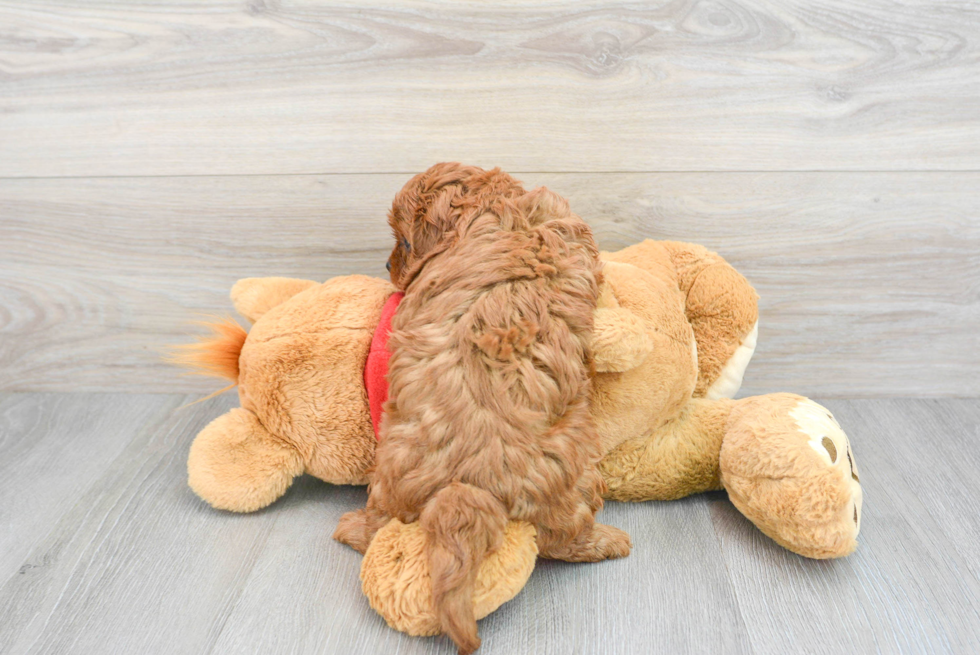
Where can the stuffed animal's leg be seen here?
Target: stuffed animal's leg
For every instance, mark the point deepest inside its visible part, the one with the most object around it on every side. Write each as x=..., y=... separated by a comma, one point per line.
x=789, y=467
x=395, y=575
x=675, y=460
x=235, y=464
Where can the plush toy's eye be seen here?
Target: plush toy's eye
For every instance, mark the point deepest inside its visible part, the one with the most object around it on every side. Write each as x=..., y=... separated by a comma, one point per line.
x=831, y=449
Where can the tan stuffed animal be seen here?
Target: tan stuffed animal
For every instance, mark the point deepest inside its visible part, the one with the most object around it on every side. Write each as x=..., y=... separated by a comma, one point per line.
x=674, y=332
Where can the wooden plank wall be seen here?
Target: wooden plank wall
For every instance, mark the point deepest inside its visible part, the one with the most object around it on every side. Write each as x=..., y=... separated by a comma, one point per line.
x=152, y=153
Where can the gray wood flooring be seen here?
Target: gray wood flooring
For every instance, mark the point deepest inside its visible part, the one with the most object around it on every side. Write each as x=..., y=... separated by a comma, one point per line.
x=104, y=549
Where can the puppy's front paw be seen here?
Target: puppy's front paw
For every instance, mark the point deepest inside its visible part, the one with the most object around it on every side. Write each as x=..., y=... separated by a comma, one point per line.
x=353, y=530
x=611, y=543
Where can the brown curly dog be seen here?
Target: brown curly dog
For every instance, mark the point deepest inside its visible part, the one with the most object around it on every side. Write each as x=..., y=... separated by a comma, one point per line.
x=488, y=416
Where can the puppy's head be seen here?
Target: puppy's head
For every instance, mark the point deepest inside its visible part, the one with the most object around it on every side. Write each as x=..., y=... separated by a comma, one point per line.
x=428, y=212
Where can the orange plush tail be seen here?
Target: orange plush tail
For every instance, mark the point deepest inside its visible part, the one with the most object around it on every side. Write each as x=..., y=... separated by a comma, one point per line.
x=216, y=354
x=462, y=523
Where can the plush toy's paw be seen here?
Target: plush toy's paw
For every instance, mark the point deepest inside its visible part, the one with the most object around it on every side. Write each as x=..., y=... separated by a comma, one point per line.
x=395, y=575
x=619, y=340
x=235, y=464
x=788, y=466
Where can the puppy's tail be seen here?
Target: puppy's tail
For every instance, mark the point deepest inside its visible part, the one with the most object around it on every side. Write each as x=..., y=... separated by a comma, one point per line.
x=462, y=523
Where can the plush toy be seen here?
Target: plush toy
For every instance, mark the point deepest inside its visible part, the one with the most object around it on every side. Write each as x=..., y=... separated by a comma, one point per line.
x=674, y=332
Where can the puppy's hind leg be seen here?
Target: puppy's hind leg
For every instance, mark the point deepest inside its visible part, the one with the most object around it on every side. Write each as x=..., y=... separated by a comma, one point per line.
x=357, y=529
x=569, y=532
x=591, y=544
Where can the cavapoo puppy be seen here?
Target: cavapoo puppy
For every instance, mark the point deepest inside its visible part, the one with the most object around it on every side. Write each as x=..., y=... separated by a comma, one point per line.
x=487, y=418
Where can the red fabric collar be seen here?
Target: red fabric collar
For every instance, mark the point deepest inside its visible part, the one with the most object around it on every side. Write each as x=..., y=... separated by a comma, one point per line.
x=376, y=369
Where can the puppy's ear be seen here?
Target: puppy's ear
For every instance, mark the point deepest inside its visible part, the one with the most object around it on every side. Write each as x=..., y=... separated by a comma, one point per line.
x=440, y=217
x=542, y=204
x=426, y=212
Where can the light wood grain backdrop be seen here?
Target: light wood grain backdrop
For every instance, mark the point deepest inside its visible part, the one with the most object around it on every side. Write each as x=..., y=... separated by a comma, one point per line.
x=120, y=88
x=152, y=153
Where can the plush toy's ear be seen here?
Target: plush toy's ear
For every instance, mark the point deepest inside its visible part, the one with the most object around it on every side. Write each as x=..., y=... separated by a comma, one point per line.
x=254, y=296
x=619, y=340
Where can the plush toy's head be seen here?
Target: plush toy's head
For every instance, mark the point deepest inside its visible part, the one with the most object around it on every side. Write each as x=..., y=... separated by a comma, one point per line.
x=428, y=208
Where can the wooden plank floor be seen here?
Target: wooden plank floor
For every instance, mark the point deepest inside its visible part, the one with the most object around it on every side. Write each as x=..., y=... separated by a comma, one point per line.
x=112, y=553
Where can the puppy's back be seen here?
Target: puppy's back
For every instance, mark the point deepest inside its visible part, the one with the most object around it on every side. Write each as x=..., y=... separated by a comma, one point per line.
x=490, y=372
